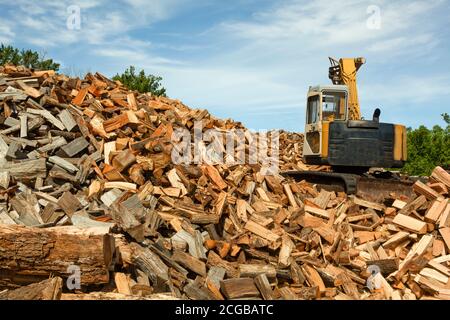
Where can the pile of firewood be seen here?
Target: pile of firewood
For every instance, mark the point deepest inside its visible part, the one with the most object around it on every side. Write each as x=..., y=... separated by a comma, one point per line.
x=93, y=207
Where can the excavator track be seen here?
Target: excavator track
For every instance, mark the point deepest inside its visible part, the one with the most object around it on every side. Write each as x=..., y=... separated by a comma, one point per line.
x=367, y=187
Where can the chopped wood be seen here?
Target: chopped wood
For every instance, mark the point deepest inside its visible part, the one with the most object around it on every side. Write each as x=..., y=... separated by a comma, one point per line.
x=84, y=161
x=252, y=270
x=239, y=288
x=23, y=126
x=122, y=283
x=445, y=233
x=425, y=190
x=48, y=116
x=75, y=146
x=66, y=165
x=262, y=283
x=215, y=177
x=367, y=204
x=317, y=211
x=123, y=160
x=67, y=119
x=261, y=231
x=434, y=213
x=190, y=262
x=288, y=191
x=49, y=289
x=410, y=223
x=441, y=175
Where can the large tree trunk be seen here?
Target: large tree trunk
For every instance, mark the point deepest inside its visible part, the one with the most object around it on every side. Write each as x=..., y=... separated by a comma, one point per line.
x=30, y=255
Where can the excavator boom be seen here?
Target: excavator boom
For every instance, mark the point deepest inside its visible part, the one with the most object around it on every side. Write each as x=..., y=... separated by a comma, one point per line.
x=344, y=72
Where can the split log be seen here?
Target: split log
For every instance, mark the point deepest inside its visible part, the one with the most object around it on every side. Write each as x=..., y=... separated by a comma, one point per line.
x=49, y=289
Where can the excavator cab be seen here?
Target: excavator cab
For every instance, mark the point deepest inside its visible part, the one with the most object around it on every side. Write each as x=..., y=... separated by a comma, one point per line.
x=324, y=104
x=335, y=133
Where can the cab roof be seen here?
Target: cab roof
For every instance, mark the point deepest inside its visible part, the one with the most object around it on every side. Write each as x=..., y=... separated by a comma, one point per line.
x=329, y=87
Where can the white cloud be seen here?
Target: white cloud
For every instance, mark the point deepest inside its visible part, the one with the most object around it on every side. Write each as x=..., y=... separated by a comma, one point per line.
x=44, y=23
x=259, y=67
x=6, y=33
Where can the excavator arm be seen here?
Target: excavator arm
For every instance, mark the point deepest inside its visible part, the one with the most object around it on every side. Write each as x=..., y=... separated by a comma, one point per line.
x=344, y=72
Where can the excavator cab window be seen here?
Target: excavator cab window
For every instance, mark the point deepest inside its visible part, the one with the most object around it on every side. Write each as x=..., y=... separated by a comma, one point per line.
x=313, y=109
x=333, y=106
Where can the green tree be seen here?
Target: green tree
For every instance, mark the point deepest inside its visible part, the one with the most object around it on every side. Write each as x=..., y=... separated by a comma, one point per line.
x=428, y=148
x=27, y=58
x=141, y=82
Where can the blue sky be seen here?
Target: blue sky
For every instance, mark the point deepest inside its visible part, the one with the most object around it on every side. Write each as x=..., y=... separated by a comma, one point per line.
x=253, y=60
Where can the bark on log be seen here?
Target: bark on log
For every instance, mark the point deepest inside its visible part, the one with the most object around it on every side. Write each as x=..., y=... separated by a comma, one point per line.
x=30, y=255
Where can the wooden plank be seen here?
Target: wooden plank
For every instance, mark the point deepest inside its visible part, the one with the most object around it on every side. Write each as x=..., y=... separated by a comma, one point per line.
x=14, y=150
x=313, y=277
x=116, y=122
x=149, y=263
x=387, y=266
x=5, y=179
x=176, y=182
x=323, y=199
x=215, y=275
x=131, y=99
x=417, y=251
x=439, y=267
x=53, y=145
x=107, y=149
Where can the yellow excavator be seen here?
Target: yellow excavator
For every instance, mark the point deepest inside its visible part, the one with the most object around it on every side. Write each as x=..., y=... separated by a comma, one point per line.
x=337, y=135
